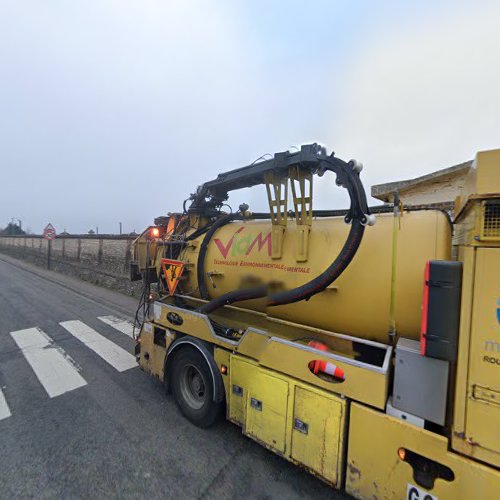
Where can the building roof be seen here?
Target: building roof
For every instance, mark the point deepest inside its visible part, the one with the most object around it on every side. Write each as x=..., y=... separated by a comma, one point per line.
x=384, y=191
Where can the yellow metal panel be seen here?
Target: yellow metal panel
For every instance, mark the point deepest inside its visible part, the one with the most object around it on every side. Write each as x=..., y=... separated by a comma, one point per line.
x=488, y=172
x=190, y=322
x=375, y=470
x=152, y=356
x=241, y=373
x=145, y=362
x=223, y=358
x=361, y=383
x=467, y=256
x=482, y=417
x=158, y=361
x=267, y=410
x=252, y=345
x=267, y=405
x=317, y=432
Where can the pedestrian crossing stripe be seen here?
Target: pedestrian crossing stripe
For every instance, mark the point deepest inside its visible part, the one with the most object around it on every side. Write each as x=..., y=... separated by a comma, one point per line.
x=4, y=407
x=114, y=355
x=119, y=324
x=55, y=370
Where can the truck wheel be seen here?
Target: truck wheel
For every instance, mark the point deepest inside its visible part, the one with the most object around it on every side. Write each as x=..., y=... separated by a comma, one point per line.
x=193, y=389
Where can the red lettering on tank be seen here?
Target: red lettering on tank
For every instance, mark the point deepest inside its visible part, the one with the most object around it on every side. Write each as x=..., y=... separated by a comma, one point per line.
x=260, y=243
x=224, y=250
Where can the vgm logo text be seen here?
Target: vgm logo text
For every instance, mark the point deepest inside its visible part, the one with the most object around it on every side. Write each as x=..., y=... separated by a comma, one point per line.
x=243, y=244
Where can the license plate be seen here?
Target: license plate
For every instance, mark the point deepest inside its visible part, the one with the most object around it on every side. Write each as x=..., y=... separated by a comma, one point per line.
x=415, y=493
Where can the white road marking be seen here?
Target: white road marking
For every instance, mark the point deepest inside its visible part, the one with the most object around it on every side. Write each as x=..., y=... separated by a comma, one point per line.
x=117, y=357
x=55, y=370
x=119, y=324
x=4, y=407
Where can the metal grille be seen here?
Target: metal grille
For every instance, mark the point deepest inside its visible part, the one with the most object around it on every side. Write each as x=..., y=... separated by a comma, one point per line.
x=491, y=219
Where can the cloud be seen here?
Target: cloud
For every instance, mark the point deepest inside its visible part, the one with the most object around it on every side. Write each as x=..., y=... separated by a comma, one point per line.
x=422, y=94
x=115, y=110
x=112, y=109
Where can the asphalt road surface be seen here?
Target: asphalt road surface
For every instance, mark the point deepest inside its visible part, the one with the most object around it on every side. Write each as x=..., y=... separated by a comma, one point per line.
x=78, y=419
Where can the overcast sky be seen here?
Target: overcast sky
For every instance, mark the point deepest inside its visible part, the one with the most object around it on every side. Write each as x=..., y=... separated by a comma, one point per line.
x=115, y=110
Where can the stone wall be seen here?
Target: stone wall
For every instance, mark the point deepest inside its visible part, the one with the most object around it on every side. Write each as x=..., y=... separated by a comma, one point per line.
x=100, y=259
x=437, y=189
x=442, y=190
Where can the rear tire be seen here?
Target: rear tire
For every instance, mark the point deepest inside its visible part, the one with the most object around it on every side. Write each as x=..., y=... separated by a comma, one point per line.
x=193, y=388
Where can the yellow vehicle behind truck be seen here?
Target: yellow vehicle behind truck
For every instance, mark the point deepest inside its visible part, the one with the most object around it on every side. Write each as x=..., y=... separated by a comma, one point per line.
x=368, y=353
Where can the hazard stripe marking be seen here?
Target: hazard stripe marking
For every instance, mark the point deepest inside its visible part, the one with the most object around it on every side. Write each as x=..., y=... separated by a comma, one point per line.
x=114, y=355
x=55, y=370
x=119, y=324
x=4, y=407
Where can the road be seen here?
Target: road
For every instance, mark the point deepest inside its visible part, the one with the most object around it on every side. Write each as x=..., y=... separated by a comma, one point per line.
x=78, y=420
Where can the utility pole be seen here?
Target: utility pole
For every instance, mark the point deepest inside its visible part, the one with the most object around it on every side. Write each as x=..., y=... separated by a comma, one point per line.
x=120, y=228
x=49, y=252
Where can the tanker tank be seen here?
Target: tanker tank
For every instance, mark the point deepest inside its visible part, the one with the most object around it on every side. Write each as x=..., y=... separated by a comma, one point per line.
x=358, y=302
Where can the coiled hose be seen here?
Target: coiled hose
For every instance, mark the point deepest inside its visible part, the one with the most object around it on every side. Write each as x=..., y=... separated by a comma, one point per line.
x=358, y=215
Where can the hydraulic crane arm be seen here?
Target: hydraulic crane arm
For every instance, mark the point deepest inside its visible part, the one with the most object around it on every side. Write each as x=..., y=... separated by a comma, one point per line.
x=312, y=157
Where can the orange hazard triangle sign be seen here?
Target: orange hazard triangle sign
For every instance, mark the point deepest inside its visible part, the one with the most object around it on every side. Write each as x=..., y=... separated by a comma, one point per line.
x=172, y=270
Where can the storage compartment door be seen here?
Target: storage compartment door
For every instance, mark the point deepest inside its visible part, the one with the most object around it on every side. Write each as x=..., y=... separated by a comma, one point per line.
x=266, y=410
x=318, y=432
x=483, y=404
x=241, y=375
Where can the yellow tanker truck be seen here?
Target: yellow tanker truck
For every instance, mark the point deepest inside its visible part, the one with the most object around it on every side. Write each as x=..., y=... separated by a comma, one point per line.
x=367, y=353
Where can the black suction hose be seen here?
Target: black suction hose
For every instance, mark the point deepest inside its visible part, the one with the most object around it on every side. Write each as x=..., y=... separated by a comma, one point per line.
x=236, y=296
x=327, y=277
x=303, y=292
x=358, y=214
